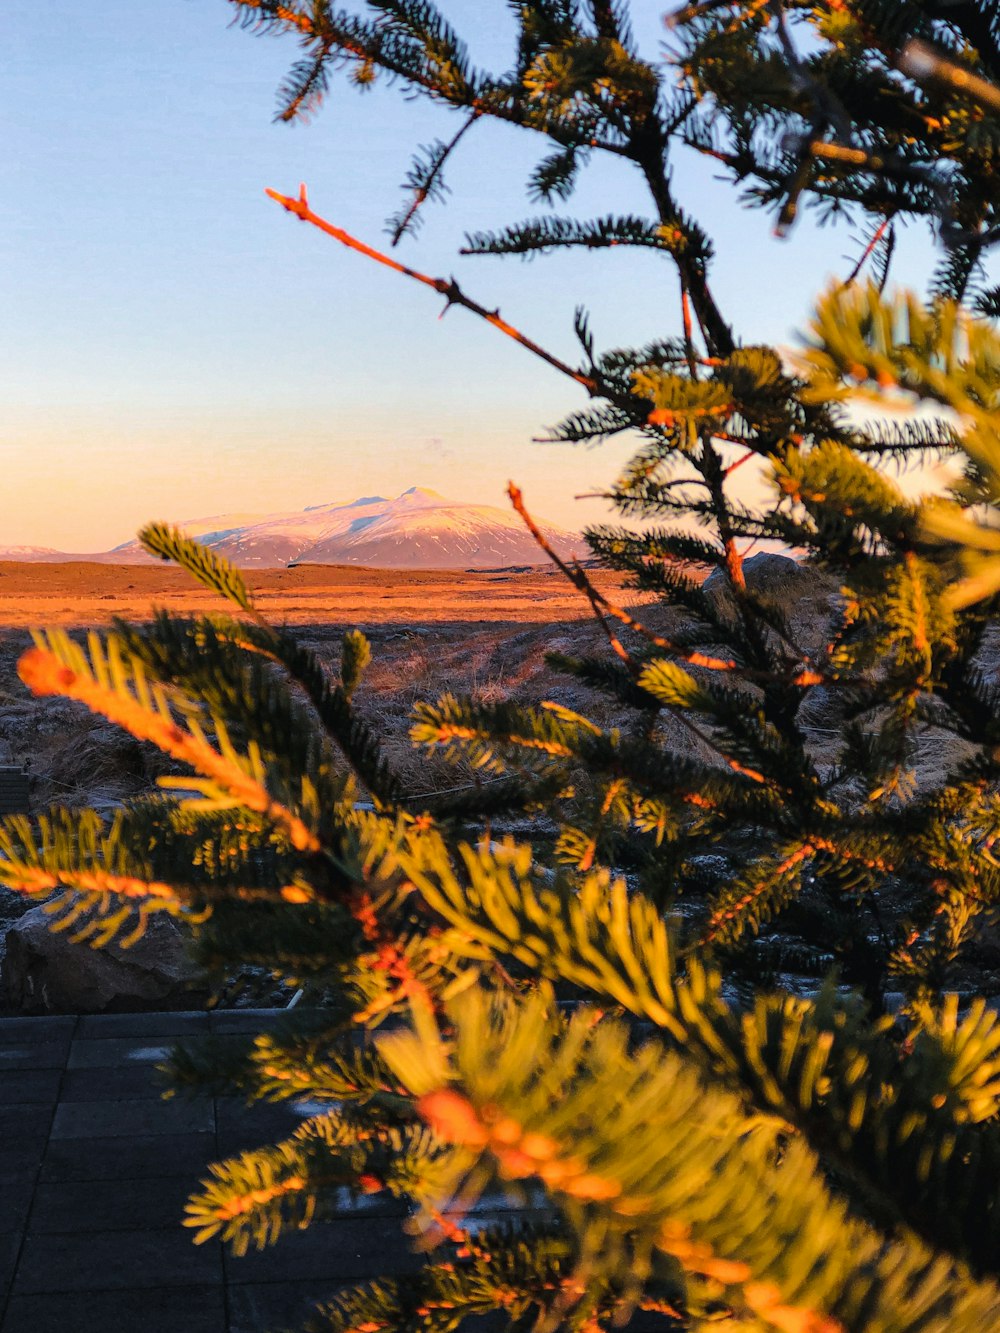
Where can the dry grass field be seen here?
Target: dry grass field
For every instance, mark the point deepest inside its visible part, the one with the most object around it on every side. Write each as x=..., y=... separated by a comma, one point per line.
x=82, y=593
x=481, y=633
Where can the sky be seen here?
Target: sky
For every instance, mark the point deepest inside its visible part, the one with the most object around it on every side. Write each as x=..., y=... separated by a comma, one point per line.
x=174, y=345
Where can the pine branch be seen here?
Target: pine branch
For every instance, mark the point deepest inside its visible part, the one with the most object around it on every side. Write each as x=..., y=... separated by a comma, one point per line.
x=115, y=685
x=425, y=181
x=542, y=234
x=449, y=289
x=169, y=543
x=564, y=1140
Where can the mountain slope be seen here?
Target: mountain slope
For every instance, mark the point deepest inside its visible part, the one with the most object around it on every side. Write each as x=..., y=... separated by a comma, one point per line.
x=420, y=529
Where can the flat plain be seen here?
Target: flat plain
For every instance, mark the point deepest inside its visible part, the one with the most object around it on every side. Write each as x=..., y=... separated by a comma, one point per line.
x=83, y=593
x=483, y=633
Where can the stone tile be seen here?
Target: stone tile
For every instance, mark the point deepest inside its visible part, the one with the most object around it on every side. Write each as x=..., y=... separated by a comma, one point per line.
x=10, y=1245
x=113, y=1119
x=115, y=1261
x=109, y=1205
x=33, y=1055
x=18, y=1159
x=18, y=1086
x=26, y=1123
x=342, y=1203
x=166, y=1310
x=244, y=1020
x=273, y=1305
x=102, y=1026
x=110, y=1052
x=35, y=1030
x=335, y=1252
x=144, y=1157
x=96, y=1085
x=16, y=1194
x=241, y=1126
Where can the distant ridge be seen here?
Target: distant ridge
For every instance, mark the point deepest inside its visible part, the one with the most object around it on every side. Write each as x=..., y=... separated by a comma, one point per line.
x=420, y=529
x=29, y=553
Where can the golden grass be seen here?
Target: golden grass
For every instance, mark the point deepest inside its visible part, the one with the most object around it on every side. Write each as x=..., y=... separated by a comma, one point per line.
x=483, y=633
x=85, y=593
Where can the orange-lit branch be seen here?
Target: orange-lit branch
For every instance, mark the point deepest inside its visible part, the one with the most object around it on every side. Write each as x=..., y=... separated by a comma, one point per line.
x=305, y=25
x=520, y=1154
x=866, y=253
x=598, y=601
x=601, y=605
x=923, y=62
x=578, y=578
x=455, y=731
x=721, y=918
x=35, y=879
x=44, y=674
x=743, y=458
x=446, y=287
x=31, y=880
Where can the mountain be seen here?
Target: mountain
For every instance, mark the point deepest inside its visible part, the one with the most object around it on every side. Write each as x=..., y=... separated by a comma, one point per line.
x=420, y=529
x=28, y=553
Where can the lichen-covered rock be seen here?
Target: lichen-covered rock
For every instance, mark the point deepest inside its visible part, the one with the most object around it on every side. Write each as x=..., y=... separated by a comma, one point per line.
x=46, y=972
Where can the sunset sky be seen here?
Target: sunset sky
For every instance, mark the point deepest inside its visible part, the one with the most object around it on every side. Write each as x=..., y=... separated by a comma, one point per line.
x=173, y=345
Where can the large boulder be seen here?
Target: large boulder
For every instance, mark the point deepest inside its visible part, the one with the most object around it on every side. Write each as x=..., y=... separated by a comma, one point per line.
x=46, y=972
x=807, y=596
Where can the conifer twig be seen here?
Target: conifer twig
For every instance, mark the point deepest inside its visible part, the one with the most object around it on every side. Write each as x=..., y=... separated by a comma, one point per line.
x=868, y=251
x=421, y=193
x=577, y=576
x=447, y=287
x=579, y=579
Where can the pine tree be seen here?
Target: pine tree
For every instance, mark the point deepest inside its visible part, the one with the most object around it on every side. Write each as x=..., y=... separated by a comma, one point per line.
x=689, y=1140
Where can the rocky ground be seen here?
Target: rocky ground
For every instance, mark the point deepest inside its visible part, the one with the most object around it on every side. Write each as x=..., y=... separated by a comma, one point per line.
x=78, y=759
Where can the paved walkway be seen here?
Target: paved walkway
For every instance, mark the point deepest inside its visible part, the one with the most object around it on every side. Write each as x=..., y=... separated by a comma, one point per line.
x=94, y=1172
x=95, y=1169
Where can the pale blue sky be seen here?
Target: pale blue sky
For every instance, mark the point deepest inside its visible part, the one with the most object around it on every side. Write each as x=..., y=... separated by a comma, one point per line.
x=173, y=345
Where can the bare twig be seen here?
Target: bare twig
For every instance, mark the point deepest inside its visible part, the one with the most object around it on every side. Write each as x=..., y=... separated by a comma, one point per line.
x=868, y=251
x=744, y=458
x=922, y=62
x=446, y=287
x=689, y=348
x=578, y=577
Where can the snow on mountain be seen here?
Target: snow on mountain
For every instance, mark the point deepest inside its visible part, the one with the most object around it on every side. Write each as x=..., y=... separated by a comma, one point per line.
x=420, y=529
x=27, y=552
x=423, y=529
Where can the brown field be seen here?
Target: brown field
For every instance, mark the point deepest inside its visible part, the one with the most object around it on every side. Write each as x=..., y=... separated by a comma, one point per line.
x=82, y=593
x=481, y=634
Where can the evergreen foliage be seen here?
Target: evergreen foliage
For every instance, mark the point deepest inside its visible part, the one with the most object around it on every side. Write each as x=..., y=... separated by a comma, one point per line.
x=686, y=1141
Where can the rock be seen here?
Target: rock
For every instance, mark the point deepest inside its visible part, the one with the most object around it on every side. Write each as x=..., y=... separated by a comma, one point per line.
x=709, y=870
x=45, y=972
x=806, y=595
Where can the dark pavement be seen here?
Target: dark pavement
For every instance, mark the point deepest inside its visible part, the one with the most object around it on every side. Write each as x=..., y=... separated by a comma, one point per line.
x=95, y=1169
